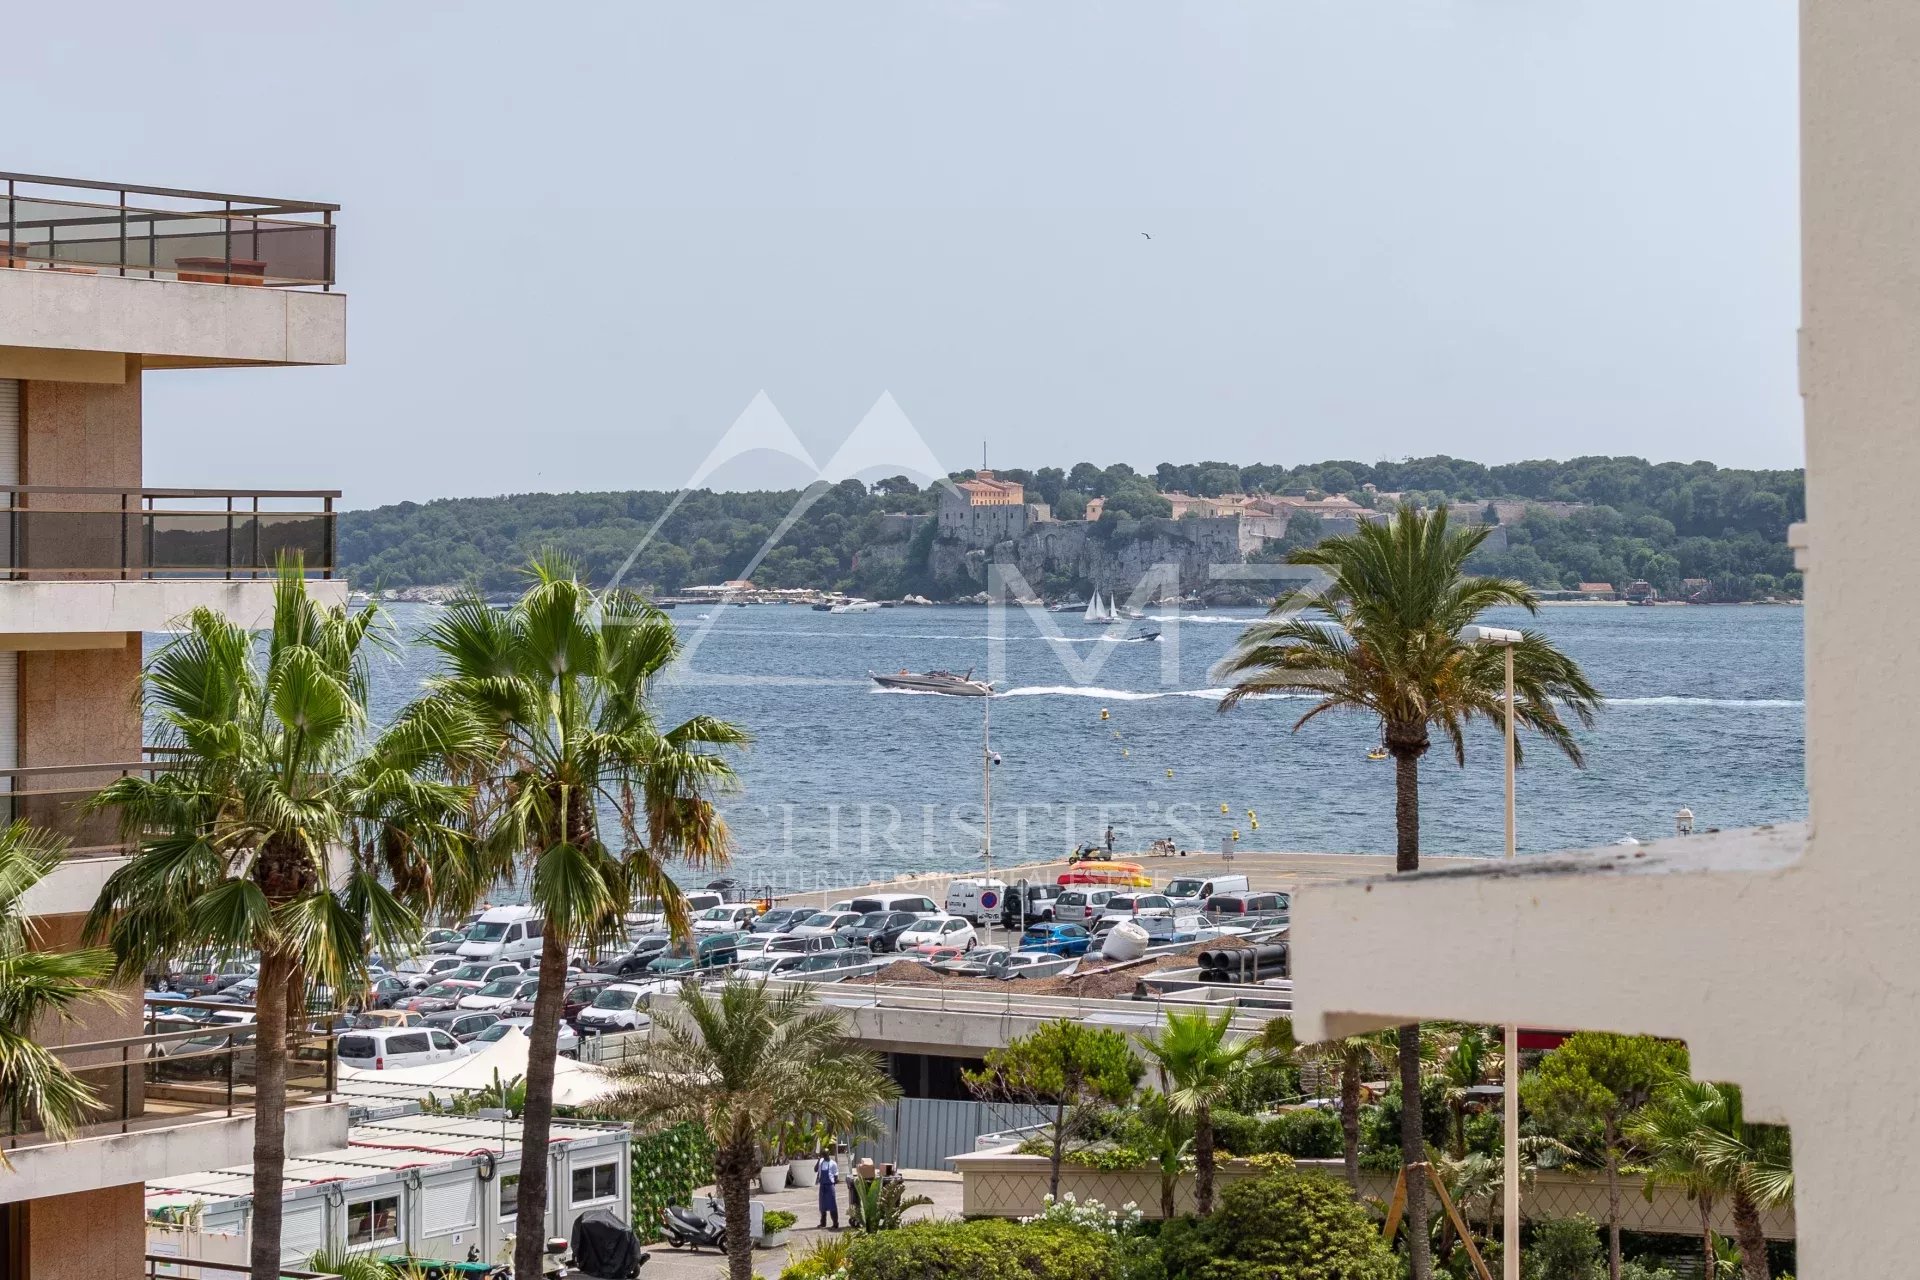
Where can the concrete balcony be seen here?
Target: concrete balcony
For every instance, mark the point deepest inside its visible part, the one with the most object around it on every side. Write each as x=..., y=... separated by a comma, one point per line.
x=96, y=272
x=85, y=567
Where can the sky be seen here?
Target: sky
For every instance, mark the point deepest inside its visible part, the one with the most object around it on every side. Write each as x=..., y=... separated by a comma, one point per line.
x=579, y=241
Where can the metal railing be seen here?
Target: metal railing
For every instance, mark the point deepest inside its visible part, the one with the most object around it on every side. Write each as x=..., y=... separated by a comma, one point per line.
x=183, y=1074
x=85, y=227
x=53, y=798
x=162, y=1266
x=54, y=532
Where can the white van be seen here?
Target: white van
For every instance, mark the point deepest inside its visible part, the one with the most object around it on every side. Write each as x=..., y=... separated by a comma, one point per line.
x=975, y=900
x=384, y=1048
x=1190, y=893
x=505, y=933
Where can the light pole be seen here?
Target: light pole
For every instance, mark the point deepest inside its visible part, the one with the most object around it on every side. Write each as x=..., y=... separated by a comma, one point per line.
x=1510, y=1082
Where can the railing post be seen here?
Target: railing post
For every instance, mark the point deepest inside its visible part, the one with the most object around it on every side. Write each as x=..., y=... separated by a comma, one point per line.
x=123, y=234
x=326, y=250
x=256, y=536
x=333, y=535
x=229, y=568
x=229, y=1075
x=126, y=1090
x=226, y=232
x=125, y=533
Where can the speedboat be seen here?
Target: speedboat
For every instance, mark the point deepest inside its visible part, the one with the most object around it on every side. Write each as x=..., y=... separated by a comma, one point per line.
x=964, y=686
x=1145, y=635
x=856, y=606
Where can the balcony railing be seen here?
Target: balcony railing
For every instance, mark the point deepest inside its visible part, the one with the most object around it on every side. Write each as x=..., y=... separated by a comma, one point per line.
x=177, y=1076
x=53, y=798
x=107, y=228
x=54, y=532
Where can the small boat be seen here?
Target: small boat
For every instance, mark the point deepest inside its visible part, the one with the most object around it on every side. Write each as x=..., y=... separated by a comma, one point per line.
x=1096, y=871
x=963, y=686
x=1099, y=612
x=823, y=606
x=1378, y=753
x=1144, y=635
x=856, y=606
x=1067, y=606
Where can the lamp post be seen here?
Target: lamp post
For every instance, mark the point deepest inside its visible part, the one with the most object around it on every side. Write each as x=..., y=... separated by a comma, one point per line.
x=1510, y=1082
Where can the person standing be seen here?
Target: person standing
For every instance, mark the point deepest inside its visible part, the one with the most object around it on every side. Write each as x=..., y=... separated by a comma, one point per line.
x=827, y=1176
x=1109, y=839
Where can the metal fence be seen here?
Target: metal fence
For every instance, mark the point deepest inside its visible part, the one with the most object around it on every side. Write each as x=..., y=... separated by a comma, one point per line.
x=923, y=1133
x=61, y=532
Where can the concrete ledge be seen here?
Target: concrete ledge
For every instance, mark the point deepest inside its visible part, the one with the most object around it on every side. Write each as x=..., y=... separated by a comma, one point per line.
x=191, y=1147
x=171, y=323
x=72, y=887
x=80, y=608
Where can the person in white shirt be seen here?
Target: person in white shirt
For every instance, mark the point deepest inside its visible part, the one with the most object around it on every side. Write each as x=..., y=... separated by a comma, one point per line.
x=827, y=1178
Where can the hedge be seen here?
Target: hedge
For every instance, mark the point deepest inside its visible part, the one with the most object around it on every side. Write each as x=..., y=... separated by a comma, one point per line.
x=1288, y=1226
x=667, y=1166
x=988, y=1249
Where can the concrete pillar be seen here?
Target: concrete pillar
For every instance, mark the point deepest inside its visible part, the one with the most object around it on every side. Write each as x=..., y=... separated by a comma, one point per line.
x=89, y=1235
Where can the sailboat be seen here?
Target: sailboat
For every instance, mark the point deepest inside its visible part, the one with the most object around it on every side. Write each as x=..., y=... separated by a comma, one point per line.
x=1099, y=612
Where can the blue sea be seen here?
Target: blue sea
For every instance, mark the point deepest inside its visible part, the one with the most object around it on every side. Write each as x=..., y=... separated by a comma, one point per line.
x=846, y=783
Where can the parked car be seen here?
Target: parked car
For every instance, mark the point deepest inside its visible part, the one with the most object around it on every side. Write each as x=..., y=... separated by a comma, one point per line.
x=384, y=990
x=569, y=1042
x=938, y=931
x=1126, y=906
x=581, y=989
x=504, y=933
x=1014, y=965
x=728, y=918
x=636, y=957
x=442, y=941
x=880, y=929
x=620, y=1006
x=1081, y=906
x=1190, y=893
x=421, y=972
x=484, y=972
x=832, y=966
x=501, y=992
x=916, y=903
x=824, y=922
x=713, y=951
x=748, y=945
x=1249, y=904
x=385, y=1048
x=781, y=965
x=786, y=942
x=1056, y=939
x=208, y=979
x=777, y=920
x=1028, y=903
x=441, y=995
x=462, y=1024
x=371, y=1018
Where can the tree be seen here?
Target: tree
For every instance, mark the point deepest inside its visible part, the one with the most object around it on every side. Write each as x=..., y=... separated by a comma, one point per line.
x=1073, y=1068
x=547, y=710
x=1587, y=1093
x=232, y=843
x=739, y=1062
x=1286, y=1226
x=1383, y=639
x=36, y=987
x=1172, y=1143
x=895, y=486
x=1697, y=1138
x=1470, y=1062
x=1192, y=1050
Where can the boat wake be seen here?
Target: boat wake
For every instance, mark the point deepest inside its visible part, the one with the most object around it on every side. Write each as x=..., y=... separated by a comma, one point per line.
x=1673, y=700
x=1130, y=695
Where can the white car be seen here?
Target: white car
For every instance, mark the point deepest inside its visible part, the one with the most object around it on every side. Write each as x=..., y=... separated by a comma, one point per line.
x=501, y=992
x=730, y=918
x=773, y=965
x=824, y=923
x=938, y=931
x=383, y=1048
x=1127, y=906
x=751, y=946
x=1081, y=906
x=421, y=972
x=569, y=1042
x=619, y=1007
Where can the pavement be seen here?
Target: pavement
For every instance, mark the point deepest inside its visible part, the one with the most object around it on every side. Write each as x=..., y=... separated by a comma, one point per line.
x=664, y=1262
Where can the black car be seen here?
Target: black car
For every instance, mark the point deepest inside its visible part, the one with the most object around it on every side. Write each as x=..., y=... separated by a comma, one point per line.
x=462, y=1024
x=878, y=930
x=635, y=959
x=1037, y=905
x=777, y=920
x=385, y=989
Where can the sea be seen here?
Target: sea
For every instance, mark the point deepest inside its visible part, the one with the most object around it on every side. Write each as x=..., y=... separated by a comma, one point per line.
x=1091, y=729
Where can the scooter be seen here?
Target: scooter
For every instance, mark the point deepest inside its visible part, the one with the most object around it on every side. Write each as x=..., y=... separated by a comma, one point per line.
x=601, y=1249
x=694, y=1229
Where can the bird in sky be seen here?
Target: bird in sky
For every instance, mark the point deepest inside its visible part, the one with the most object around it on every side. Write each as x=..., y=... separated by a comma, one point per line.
x=1145, y=234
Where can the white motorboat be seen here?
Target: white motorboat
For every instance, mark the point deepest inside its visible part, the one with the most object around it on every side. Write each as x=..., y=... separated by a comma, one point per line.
x=856, y=606
x=964, y=686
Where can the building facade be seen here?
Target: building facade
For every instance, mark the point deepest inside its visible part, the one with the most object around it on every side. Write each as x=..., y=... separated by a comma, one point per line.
x=986, y=510
x=103, y=286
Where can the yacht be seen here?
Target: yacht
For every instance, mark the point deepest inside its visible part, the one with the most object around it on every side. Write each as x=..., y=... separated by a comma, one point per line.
x=856, y=606
x=964, y=686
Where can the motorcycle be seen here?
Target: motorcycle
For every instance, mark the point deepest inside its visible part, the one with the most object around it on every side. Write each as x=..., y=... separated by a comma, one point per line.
x=693, y=1229
x=601, y=1249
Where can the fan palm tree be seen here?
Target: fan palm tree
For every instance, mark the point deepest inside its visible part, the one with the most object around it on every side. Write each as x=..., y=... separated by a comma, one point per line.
x=740, y=1062
x=1470, y=1062
x=1382, y=638
x=38, y=986
x=1199, y=1064
x=578, y=789
x=1351, y=1059
x=1698, y=1138
x=1172, y=1141
x=238, y=844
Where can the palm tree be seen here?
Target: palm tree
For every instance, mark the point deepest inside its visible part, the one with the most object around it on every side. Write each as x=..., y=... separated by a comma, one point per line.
x=1697, y=1134
x=547, y=711
x=1198, y=1063
x=1470, y=1062
x=1172, y=1141
x=1382, y=638
x=1352, y=1059
x=740, y=1062
x=36, y=986
x=234, y=844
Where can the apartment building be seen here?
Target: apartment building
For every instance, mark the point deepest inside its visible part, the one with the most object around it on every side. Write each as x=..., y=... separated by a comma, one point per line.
x=104, y=285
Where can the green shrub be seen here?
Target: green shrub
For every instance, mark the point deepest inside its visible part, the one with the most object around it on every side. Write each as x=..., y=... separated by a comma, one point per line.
x=667, y=1166
x=777, y=1220
x=988, y=1249
x=827, y=1255
x=1287, y=1226
x=1640, y=1271
x=1237, y=1133
x=1563, y=1249
x=1305, y=1135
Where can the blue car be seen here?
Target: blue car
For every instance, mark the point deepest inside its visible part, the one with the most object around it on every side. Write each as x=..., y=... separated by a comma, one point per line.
x=1056, y=939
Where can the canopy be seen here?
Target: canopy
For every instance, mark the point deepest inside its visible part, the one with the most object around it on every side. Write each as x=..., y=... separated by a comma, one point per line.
x=574, y=1083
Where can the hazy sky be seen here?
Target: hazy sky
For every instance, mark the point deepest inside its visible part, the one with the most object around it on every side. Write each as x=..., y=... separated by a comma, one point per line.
x=579, y=239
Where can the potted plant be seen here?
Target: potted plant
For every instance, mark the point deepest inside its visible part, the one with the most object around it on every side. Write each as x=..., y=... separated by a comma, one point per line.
x=774, y=1225
x=804, y=1144
x=773, y=1163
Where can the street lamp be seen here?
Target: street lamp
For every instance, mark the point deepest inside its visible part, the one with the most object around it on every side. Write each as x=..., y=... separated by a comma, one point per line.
x=1510, y=1085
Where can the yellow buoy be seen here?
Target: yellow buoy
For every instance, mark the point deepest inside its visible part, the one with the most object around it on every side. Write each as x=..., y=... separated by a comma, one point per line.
x=1223, y=806
x=1255, y=824
x=1236, y=833
x=1103, y=713
x=1169, y=773
x=1125, y=753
